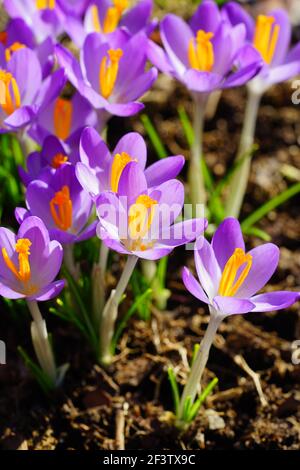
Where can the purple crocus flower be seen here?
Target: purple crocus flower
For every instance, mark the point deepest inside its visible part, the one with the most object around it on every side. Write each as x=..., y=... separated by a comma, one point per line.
x=62, y=204
x=207, y=54
x=52, y=156
x=45, y=18
x=29, y=262
x=65, y=119
x=23, y=92
x=100, y=170
x=139, y=221
x=19, y=35
x=271, y=36
x=229, y=278
x=105, y=16
x=111, y=74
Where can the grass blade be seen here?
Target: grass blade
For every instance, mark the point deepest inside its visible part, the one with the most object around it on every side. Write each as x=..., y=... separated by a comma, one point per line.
x=155, y=139
x=175, y=390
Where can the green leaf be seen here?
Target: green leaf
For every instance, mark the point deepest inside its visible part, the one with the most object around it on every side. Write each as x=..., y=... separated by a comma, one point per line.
x=196, y=406
x=270, y=206
x=257, y=232
x=40, y=376
x=175, y=390
x=154, y=137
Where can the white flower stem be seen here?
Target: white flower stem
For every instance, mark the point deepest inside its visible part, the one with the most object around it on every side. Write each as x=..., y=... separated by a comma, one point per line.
x=70, y=262
x=239, y=182
x=195, y=174
x=41, y=342
x=191, y=388
x=110, y=312
x=99, y=271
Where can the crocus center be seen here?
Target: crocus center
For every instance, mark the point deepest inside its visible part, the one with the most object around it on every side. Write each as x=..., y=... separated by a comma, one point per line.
x=22, y=272
x=3, y=37
x=58, y=160
x=235, y=272
x=63, y=112
x=13, y=48
x=109, y=71
x=10, y=98
x=61, y=209
x=266, y=37
x=119, y=163
x=112, y=17
x=45, y=4
x=140, y=219
x=201, y=52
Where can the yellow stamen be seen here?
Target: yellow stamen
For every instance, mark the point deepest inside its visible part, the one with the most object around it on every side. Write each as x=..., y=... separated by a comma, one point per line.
x=230, y=280
x=3, y=37
x=201, y=52
x=118, y=165
x=61, y=209
x=113, y=15
x=266, y=37
x=23, y=249
x=58, y=160
x=10, y=98
x=45, y=4
x=140, y=217
x=108, y=73
x=16, y=46
x=95, y=19
x=63, y=112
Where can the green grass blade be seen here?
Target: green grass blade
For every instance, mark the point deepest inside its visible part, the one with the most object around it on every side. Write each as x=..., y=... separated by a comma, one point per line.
x=276, y=201
x=257, y=232
x=175, y=390
x=196, y=406
x=155, y=139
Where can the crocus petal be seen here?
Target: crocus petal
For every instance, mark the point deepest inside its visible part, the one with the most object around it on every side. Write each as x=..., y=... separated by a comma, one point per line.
x=93, y=150
x=193, y=286
x=231, y=305
x=159, y=58
x=88, y=232
x=264, y=263
x=226, y=239
x=21, y=117
x=141, y=85
x=207, y=17
x=274, y=300
x=176, y=35
x=87, y=179
x=153, y=254
x=294, y=54
x=49, y=292
x=207, y=267
x=236, y=14
x=137, y=17
x=9, y=293
x=134, y=145
x=281, y=73
x=26, y=69
x=242, y=76
x=163, y=170
x=124, y=109
x=202, y=82
x=182, y=232
x=284, y=38
x=132, y=182
x=71, y=66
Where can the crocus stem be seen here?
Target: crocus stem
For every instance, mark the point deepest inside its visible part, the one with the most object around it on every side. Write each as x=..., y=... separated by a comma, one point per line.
x=110, y=312
x=195, y=175
x=41, y=342
x=70, y=262
x=191, y=388
x=98, y=281
x=239, y=182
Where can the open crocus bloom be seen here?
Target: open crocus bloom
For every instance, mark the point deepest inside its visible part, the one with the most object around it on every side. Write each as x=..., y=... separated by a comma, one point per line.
x=18, y=35
x=100, y=170
x=52, y=156
x=111, y=74
x=62, y=204
x=65, y=119
x=29, y=262
x=45, y=18
x=23, y=93
x=229, y=278
x=105, y=16
x=206, y=55
x=271, y=36
x=140, y=221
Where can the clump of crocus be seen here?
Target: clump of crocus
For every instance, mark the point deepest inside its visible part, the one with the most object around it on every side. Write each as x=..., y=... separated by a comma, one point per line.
x=23, y=92
x=29, y=263
x=206, y=55
x=271, y=36
x=139, y=222
x=106, y=16
x=65, y=208
x=52, y=156
x=228, y=281
x=111, y=74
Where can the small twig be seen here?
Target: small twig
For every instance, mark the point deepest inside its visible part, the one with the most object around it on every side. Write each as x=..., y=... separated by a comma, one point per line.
x=120, y=427
x=240, y=361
